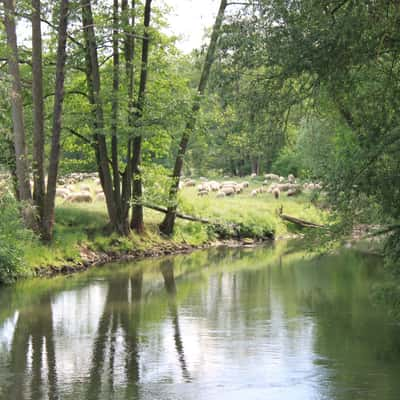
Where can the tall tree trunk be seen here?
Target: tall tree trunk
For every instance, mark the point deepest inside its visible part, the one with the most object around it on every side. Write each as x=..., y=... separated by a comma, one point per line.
x=38, y=111
x=21, y=160
x=167, y=226
x=137, y=222
x=129, y=50
x=114, y=118
x=48, y=215
x=24, y=190
x=93, y=81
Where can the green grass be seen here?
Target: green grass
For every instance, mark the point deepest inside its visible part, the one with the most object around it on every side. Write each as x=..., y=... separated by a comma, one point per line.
x=82, y=226
x=259, y=212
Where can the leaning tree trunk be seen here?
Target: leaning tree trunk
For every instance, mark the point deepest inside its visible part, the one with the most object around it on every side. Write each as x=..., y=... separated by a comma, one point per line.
x=48, y=215
x=21, y=165
x=38, y=111
x=137, y=222
x=167, y=226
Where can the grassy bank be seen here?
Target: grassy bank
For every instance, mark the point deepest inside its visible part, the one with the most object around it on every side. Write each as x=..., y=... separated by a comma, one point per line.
x=80, y=228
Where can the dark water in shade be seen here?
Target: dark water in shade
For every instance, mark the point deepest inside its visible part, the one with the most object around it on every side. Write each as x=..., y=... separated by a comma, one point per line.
x=262, y=323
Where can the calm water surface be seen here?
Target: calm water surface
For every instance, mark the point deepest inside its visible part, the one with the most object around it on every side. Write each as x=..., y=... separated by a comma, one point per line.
x=265, y=323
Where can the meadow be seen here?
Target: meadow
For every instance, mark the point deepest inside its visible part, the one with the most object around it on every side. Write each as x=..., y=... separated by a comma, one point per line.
x=82, y=227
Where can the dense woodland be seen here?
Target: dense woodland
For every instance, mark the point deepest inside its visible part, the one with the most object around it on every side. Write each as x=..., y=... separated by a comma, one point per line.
x=304, y=87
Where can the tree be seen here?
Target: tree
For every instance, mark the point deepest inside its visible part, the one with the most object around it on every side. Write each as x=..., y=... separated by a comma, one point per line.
x=44, y=201
x=23, y=185
x=48, y=214
x=137, y=212
x=167, y=226
x=117, y=198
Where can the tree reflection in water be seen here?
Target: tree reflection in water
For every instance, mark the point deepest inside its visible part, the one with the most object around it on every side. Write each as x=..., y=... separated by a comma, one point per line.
x=167, y=270
x=33, y=354
x=118, y=321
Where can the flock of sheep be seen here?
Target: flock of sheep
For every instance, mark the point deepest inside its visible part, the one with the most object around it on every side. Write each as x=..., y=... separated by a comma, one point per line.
x=73, y=188
x=74, y=191
x=273, y=184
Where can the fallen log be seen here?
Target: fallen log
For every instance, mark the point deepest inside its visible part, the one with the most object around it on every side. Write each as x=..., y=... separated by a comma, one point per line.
x=300, y=222
x=224, y=230
x=178, y=214
x=297, y=221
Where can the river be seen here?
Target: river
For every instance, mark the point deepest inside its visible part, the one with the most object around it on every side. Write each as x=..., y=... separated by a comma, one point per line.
x=245, y=323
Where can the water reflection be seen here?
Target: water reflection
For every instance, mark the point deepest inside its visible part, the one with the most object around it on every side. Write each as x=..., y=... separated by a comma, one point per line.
x=167, y=270
x=220, y=324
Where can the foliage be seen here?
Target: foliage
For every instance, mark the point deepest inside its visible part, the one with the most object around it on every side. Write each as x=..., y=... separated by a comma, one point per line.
x=12, y=238
x=288, y=162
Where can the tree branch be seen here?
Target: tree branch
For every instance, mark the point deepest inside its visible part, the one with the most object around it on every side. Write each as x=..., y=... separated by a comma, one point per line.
x=88, y=141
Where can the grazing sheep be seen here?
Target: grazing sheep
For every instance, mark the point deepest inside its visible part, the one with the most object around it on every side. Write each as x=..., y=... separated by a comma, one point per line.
x=284, y=187
x=85, y=188
x=202, y=193
x=242, y=185
x=62, y=192
x=245, y=184
x=214, y=186
x=271, y=177
x=228, y=183
x=271, y=188
x=281, y=179
x=262, y=189
x=220, y=194
x=204, y=187
x=253, y=175
x=293, y=192
x=238, y=188
x=254, y=193
x=228, y=190
x=276, y=192
x=100, y=197
x=189, y=183
x=291, y=178
x=80, y=197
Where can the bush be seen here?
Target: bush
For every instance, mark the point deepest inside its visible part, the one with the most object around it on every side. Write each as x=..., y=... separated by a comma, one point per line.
x=288, y=162
x=12, y=237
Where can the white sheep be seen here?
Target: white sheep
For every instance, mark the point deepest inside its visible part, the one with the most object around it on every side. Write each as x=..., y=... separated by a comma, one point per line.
x=62, y=192
x=228, y=190
x=80, y=197
x=276, y=192
x=100, y=197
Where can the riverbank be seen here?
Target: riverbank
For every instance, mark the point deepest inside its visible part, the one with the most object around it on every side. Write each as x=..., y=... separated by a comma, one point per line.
x=89, y=258
x=81, y=239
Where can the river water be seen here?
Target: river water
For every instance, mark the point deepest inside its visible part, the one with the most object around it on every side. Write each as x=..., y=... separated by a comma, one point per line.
x=264, y=323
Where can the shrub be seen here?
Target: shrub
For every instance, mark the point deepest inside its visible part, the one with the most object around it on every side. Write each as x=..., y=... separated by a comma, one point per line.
x=12, y=237
x=288, y=162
